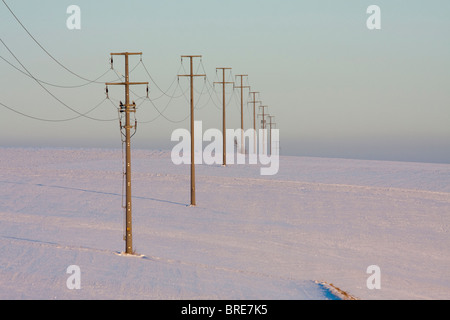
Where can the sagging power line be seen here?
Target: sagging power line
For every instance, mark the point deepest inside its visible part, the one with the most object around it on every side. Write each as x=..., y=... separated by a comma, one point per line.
x=80, y=114
x=53, y=120
x=90, y=81
x=45, y=50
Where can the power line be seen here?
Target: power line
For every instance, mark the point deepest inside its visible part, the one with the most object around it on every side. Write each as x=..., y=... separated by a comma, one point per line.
x=164, y=93
x=161, y=113
x=119, y=76
x=212, y=87
x=42, y=47
x=51, y=94
x=207, y=84
x=52, y=120
x=89, y=81
x=52, y=84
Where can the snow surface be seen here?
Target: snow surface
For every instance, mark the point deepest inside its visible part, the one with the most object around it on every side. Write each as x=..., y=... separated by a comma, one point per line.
x=250, y=236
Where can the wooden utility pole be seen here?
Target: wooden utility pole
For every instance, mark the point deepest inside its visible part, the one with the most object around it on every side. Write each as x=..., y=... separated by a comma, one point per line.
x=192, y=75
x=127, y=108
x=270, y=133
x=277, y=146
x=263, y=123
x=224, y=139
x=242, y=87
x=254, y=93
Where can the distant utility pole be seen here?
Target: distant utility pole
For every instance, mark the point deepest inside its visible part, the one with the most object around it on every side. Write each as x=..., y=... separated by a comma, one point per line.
x=223, y=83
x=276, y=146
x=242, y=87
x=127, y=108
x=254, y=93
x=192, y=75
x=263, y=125
x=270, y=133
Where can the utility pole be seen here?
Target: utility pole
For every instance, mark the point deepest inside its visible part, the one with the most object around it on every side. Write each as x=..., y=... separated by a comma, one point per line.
x=270, y=133
x=127, y=108
x=263, y=122
x=242, y=87
x=223, y=83
x=254, y=93
x=192, y=75
x=277, y=147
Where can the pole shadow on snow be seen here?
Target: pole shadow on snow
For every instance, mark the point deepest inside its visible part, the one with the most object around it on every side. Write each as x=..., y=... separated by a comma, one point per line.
x=95, y=191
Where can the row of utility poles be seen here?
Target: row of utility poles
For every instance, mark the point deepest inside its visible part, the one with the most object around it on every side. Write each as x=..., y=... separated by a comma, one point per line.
x=129, y=108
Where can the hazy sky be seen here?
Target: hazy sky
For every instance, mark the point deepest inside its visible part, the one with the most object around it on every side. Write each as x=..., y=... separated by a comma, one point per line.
x=336, y=88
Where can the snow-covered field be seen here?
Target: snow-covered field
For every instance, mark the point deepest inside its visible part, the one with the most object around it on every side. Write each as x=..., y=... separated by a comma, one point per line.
x=250, y=236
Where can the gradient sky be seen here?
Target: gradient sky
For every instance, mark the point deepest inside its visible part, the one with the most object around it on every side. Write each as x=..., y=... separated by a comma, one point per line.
x=336, y=89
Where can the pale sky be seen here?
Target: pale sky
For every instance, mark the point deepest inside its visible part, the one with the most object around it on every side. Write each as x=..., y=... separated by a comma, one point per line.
x=336, y=88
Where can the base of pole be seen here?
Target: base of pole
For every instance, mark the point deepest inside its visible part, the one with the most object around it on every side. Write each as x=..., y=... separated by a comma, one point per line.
x=124, y=254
